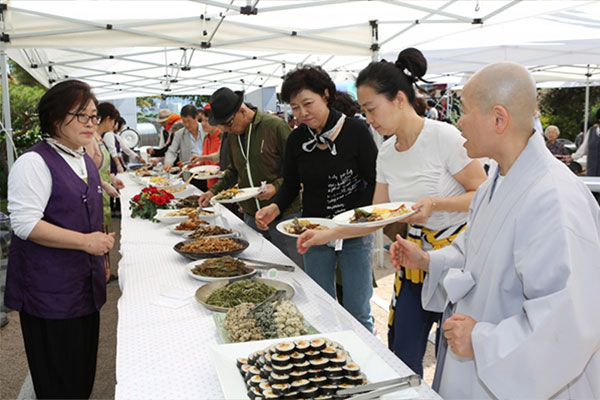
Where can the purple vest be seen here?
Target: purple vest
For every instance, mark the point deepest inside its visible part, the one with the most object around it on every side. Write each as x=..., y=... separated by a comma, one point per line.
x=57, y=283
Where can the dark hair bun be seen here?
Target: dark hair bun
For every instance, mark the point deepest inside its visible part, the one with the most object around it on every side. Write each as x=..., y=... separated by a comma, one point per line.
x=413, y=60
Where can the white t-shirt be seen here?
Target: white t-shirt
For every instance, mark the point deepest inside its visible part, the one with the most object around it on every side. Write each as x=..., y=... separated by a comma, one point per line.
x=426, y=169
x=30, y=187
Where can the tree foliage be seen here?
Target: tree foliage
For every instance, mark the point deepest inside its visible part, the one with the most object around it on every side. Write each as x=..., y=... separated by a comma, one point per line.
x=24, y=98
x=564, y=107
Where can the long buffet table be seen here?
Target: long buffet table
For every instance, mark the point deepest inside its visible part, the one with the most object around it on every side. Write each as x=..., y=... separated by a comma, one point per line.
x=164, y=352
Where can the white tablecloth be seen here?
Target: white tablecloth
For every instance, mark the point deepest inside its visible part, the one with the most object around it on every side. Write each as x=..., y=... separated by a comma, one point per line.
x=163, y=353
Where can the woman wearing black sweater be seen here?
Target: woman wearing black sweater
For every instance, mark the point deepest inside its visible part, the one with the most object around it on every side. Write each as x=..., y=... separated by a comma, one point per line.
x=332, y=159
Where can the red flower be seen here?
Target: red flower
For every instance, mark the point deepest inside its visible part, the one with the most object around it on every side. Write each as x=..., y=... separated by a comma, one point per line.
x=146, y=203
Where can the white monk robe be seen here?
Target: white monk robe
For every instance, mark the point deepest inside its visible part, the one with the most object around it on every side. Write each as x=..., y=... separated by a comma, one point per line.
x=527, y=269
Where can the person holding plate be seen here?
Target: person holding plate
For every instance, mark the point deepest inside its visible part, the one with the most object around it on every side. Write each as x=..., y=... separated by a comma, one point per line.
x=425, y=162
x=256, y=147
x=211, y=149
x=56, y=276
x=332, y=157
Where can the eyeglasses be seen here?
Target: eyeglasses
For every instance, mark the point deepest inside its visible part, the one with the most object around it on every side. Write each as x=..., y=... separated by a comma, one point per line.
x=84, y=118
x=229, y=123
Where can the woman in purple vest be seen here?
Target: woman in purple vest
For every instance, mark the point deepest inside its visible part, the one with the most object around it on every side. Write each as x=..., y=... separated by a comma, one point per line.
x=56, y=277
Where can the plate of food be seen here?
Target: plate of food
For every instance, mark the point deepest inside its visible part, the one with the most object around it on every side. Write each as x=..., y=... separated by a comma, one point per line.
x=375, y=215
x=336, y=360
x=297, y=226
x=222, y=295
x=210, y=247
x=162, y=183
x=188, y=201
x=208, y=230
x=278, y=319
x=235, y=195
x=218, y=269
x=191, y=224
x=170, y=216
x=181, y=191
x=206, y=171
x=173, y=229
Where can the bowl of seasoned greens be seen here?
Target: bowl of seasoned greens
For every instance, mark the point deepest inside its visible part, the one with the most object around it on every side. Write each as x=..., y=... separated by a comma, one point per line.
x=218, y=268
x=222, y=295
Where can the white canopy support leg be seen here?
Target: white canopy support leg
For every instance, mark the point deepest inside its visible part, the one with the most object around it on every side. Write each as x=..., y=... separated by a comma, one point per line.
x=379, y=250
x=587, y=99
x=6, y=121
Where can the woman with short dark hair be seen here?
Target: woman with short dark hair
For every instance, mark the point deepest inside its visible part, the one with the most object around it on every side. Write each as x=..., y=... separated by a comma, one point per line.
x=109, y=115
x=56, y=276
x=332, y=157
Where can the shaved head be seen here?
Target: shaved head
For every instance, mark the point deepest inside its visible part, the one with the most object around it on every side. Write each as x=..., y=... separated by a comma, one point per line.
x=509, y=85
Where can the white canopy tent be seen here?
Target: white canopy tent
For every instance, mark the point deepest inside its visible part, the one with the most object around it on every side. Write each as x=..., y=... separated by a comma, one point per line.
x=140, y=48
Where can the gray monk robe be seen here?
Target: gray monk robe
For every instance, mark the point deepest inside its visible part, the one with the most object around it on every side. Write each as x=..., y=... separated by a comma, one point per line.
x=527, y=269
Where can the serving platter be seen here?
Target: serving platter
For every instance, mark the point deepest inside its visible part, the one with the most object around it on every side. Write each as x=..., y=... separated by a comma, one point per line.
x=190, y=267
x=223, y=333
x=198, y=255
x=224, y=358
x=205, y=291
x=161, y=215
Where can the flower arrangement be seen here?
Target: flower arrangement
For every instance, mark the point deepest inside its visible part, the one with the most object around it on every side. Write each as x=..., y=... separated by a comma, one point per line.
x=148, y=201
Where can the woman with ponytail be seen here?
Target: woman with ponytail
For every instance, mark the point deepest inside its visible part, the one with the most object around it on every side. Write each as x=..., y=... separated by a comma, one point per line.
x=424, y=163
x=330, y=157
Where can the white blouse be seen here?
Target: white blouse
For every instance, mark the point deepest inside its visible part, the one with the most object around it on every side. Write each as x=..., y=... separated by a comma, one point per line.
x=30, y=187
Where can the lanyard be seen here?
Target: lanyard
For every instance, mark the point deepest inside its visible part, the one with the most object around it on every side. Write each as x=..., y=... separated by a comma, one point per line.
x=246, y=156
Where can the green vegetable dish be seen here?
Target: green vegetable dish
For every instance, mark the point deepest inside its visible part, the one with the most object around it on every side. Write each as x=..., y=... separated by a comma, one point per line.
x=244, y=291
x=220, y=267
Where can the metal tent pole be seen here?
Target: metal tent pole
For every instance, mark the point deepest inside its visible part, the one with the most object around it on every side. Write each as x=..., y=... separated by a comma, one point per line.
x=6, y=109
x=378, y=139
x=587, y=99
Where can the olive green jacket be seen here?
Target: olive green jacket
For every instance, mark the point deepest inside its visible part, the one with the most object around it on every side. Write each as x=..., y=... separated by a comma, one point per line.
x=267, y=150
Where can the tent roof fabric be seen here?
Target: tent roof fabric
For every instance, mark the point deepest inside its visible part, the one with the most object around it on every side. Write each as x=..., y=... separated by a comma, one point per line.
x=139, y=48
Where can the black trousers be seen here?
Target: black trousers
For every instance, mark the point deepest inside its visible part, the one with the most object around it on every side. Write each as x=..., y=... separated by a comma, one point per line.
x=61, y=354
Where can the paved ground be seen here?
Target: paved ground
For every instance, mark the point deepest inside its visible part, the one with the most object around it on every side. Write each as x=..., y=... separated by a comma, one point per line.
x=13, y=362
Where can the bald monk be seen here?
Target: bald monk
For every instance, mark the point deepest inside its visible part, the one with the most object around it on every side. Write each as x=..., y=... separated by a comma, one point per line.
x=520, y=287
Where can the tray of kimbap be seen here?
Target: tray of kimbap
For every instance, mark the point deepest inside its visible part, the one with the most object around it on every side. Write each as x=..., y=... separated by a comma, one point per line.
x=311, y=366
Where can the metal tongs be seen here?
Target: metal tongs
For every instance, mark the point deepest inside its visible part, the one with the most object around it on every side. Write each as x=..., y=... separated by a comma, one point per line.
x=379, y=389
x=278, y=296
x=268, y=265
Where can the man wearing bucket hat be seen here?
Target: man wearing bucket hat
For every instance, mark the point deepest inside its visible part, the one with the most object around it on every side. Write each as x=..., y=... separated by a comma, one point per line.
x=256, y=149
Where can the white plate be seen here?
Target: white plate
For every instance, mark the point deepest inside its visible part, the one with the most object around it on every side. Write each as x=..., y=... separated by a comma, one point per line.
x=344, y=218
x=313, y=220
x=376, y=370
x=206, y=171
x=244, y=194
x=161, y=215
x=190, y=266
x=189, y=190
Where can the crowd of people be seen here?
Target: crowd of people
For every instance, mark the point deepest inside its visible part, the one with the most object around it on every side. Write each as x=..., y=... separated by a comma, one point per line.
x=505, y=262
